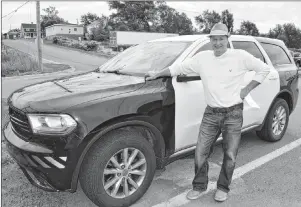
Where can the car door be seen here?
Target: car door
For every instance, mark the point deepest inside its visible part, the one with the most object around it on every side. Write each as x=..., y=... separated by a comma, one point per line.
x=257, y=104
x=285, y=66
x=190, y=102
x=189, y=106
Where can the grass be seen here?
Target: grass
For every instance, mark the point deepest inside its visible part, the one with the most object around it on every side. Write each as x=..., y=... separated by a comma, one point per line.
x=16, y=63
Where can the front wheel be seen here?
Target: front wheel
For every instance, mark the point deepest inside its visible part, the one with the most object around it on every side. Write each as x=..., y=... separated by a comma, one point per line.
x=118, y=169
x=276, y=122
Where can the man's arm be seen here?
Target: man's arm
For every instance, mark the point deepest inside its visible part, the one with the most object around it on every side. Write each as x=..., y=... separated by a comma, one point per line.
x=262, y=70
x=185, y=67
x=246, y=90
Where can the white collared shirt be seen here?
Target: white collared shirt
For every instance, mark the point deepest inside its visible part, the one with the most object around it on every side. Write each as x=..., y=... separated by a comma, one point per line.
x=222, y=76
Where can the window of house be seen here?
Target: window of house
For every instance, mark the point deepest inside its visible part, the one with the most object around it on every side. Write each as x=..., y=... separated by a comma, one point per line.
x=276, y=54
x=205, y=47
x=75, y=29
x=250, y=47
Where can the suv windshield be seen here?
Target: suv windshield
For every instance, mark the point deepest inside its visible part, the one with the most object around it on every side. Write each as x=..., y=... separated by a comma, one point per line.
x=140, y=59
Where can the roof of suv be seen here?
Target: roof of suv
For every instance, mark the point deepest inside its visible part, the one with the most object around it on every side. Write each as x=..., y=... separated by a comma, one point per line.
x=269, y=40
x=192, y=38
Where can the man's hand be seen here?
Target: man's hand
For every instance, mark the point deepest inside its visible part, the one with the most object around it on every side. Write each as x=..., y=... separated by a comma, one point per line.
x=152, y=75
x=244, y=92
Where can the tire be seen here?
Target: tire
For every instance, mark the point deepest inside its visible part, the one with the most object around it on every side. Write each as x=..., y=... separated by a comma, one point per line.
x=267, y=132
x=97, y=159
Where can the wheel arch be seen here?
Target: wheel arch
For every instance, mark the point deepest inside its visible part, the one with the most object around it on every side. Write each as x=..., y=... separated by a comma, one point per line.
x=285, y=95
x=151, y=133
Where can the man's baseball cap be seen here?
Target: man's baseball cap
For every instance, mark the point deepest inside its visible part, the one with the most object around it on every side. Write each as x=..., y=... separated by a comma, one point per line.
x=219, y=29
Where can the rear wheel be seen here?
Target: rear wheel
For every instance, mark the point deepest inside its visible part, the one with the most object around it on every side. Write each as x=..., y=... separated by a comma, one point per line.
x=276, y=122
x=118, y=169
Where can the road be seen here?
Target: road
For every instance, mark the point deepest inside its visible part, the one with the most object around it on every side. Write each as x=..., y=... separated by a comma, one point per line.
x=80, y=61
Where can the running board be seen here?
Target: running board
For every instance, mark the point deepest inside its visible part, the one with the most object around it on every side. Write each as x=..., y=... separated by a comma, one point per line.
x=189, y=149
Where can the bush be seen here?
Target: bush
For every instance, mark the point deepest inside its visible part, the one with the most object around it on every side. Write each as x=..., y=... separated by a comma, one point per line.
x=55, y=40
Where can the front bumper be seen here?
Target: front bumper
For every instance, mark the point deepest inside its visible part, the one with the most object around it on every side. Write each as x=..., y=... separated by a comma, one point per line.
x=40, y=165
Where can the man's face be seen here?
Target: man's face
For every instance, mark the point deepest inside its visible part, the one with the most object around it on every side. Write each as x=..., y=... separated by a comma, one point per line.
x=219, y=43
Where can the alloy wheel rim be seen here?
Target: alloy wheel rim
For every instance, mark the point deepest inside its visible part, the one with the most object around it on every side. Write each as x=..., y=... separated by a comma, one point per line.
x=279, y=120
x=124, y=173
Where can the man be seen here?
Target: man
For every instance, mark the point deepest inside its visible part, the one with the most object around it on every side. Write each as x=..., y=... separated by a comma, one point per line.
x=222, y=72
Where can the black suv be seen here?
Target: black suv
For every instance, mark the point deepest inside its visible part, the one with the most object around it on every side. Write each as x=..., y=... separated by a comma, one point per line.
x=110, y=129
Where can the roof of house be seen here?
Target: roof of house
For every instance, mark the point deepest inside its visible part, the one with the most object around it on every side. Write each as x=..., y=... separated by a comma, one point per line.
x=30, y=26
x=13, y=32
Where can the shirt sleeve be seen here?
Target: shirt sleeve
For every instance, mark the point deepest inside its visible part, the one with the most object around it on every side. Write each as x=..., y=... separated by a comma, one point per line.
x=185, y=67
x=252, y=63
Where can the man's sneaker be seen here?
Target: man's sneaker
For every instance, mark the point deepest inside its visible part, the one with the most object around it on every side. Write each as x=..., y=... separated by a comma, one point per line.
x=194, y=194
x=220, y=195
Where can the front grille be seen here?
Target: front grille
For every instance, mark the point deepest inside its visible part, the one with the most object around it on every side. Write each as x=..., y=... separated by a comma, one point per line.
x=20, y=123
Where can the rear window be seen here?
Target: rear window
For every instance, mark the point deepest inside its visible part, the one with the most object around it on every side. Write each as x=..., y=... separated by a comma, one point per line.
x=250, y=47
x=276, y=54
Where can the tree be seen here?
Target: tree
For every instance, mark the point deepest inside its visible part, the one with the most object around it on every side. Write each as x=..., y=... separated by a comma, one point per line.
x=227, y=19
x=148, y=16
x=15, y=30
x=98, y=29
x=168, y=20
x=207, y=20
x=136, y=15
x=248, y=28
x=288, y=33
x=88, y=18
x=51, y=18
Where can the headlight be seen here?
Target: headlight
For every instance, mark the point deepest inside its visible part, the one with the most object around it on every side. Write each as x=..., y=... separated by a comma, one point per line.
x=51, y=124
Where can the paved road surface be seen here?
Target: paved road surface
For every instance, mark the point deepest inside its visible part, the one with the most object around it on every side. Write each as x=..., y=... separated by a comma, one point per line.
x=79, y=60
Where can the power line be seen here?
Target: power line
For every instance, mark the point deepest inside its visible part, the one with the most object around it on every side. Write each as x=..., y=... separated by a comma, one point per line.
x=14, y=10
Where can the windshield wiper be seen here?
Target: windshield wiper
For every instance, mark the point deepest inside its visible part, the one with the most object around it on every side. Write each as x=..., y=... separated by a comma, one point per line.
x=113, y=71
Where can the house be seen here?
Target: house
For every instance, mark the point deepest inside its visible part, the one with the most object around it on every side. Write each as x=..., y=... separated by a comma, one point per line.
x=28, y=31
x=73, y=31
x=13, y=35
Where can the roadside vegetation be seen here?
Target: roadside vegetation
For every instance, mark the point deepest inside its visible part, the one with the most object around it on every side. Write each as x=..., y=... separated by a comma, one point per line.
x=15, y=63
x=101, y=48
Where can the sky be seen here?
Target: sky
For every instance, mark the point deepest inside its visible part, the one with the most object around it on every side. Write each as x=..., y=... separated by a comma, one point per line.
x=264, y=14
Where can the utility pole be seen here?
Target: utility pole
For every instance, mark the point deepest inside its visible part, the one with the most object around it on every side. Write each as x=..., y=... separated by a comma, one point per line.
x=40, y=64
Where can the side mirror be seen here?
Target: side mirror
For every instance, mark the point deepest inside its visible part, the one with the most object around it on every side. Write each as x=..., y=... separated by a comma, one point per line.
x=299, y=72
x=182, y=78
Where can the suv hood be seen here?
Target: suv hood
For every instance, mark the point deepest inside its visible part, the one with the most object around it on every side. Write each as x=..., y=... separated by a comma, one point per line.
x=59, y=94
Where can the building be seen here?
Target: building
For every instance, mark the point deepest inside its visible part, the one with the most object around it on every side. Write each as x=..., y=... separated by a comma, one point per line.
x=13, y=35
x=73, y=31
x=28, y=31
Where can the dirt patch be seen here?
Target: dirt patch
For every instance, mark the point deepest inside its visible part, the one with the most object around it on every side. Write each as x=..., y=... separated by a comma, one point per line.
x=17, y=63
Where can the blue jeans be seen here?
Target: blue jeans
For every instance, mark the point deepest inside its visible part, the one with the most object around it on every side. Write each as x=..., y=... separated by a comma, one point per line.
x=227, y=121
